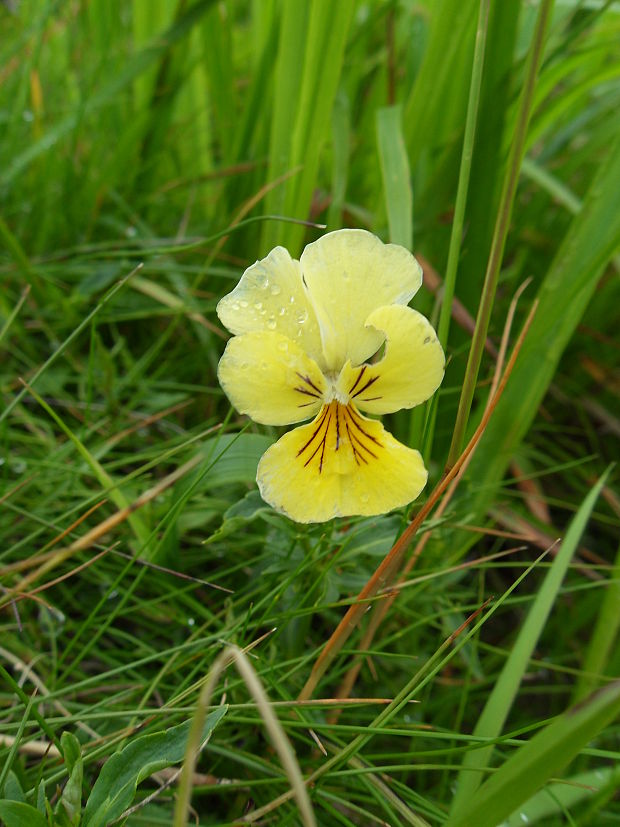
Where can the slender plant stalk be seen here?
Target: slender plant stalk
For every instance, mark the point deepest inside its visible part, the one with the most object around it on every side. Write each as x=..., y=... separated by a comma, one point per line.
x=501, y=231
x=456, y=235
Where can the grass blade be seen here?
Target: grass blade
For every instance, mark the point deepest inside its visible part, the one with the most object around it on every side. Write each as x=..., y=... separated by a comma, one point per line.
x=543, y=757
x=499, y=703
x=396, y=175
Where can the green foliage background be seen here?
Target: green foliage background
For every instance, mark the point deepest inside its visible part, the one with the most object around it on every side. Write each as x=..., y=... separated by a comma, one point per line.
x=182, y=135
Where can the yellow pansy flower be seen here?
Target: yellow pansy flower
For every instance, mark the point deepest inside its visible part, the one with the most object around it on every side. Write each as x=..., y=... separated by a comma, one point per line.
x=304, y=335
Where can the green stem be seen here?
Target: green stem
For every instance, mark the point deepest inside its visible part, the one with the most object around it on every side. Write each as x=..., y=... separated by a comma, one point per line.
x=443, y=327
x=501, y=231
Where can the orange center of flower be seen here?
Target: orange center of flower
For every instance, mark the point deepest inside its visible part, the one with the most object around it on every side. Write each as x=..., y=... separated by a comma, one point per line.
x=339, y=428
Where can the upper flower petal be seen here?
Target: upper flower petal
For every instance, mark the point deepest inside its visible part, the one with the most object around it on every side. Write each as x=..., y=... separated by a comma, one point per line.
x=338, y=465
x=410, y=371
x=348, y=274
x=271, y=296
x=269, y=377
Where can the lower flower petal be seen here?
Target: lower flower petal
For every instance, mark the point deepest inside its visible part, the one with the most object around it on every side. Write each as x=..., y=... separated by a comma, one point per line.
x=339, y=465
x=270, y=378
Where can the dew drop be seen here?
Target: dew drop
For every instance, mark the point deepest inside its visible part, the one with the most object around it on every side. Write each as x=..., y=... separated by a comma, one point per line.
x=264, y=366
x=281, y=311
x=301, y=317
x=271, y=323
x=283, y=346
x=243, y=303
x=291, y=299
x=275, y=289
x=261, y=281
x=524, y=818
x=235, y=305
x=258, y=305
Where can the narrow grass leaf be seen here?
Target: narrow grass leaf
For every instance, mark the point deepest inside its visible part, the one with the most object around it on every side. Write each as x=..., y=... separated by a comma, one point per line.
x=396, y=175
x=133, y=69
x=499, y=703
x=543, y=757
x=601, y=644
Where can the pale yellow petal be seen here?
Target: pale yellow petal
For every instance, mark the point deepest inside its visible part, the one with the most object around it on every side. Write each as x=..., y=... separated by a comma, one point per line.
x=339, y=465
x=271, y=296
x=410, y=371
x=270, y=378
x=349, y=273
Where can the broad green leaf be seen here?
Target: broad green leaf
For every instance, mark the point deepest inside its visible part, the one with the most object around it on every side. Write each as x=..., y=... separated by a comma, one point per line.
x=69, y=806
x=116, y=786
x=233, y=458
x=543, y=757
x=240, y=514
x=500, y=700
x=18, y=814
x=396, y=175
x=12, y=788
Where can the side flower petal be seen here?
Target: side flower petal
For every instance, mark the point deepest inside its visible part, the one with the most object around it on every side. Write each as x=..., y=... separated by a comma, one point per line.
x=271, y=296
x=269, y=377
x=339, y=465
x=349, y=273
x=410, y=371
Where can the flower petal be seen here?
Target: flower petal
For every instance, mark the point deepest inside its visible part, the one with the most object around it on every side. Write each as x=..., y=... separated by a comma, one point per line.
x=348, y=274
x=271, y=296
x=270, y=378
x=410, y=371
x=339, y=465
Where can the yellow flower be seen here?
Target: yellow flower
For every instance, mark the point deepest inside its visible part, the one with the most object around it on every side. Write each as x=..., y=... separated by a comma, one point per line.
x=304, y=332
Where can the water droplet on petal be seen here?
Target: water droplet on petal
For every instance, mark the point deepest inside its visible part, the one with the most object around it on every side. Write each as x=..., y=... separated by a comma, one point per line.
x=271, y=323
x=235, y=305
x=275, y=289
x=261, y=281
x=281, y=311
x=291, y=299
x=283, y=346
x=264, y=366
x=301, y=317
x=258, y=305
x=243, y=303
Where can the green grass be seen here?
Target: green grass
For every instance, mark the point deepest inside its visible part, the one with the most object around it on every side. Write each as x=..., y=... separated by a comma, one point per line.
x=150, y=152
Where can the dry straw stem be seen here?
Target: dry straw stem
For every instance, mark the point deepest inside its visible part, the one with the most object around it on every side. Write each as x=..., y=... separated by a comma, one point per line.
x=380, y=610
x=387, y=569
x=232, y=654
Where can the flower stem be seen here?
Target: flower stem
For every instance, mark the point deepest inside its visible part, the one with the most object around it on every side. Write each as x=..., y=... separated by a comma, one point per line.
x=501, y=231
